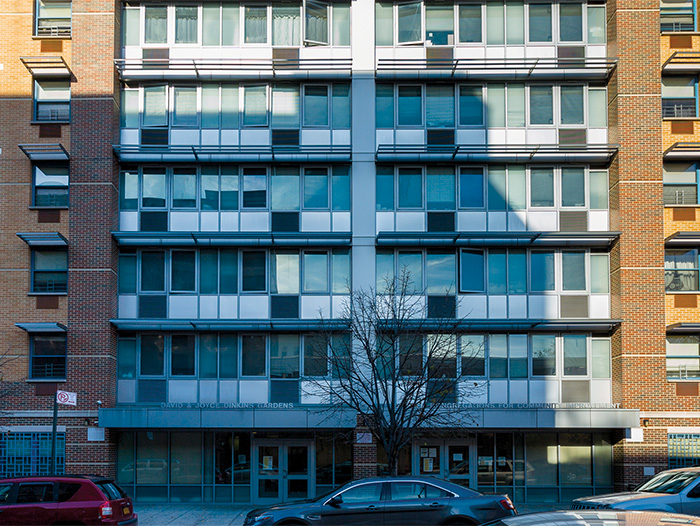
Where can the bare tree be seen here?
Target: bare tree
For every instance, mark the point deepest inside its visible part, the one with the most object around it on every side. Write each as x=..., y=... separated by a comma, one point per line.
x=402, y=371
x=7, y=387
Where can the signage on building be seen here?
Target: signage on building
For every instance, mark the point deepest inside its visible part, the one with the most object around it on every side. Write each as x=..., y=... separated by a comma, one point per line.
x=66, y=398
x=225, y=405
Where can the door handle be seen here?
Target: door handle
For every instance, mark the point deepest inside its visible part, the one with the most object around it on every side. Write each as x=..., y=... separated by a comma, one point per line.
x=372, y=508
x=435, y=504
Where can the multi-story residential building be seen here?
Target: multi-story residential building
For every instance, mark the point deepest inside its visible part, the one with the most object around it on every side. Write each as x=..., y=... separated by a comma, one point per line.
x=249, y=161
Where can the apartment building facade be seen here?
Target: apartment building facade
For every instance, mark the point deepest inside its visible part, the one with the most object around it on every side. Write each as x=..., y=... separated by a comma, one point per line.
x=234, y=166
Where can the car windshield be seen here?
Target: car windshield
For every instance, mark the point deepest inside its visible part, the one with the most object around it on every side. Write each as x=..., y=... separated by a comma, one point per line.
x=668, y=482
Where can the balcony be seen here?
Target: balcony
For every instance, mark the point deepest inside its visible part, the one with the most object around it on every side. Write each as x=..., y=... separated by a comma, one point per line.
x=682, y=61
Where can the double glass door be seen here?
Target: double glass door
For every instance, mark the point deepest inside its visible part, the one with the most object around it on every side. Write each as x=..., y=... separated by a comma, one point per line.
x=283, y=470
x=445, y=459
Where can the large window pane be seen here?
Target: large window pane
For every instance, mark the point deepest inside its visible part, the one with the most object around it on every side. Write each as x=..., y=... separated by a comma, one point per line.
x=228, y=271
x=598, y=189
x=131, y=26
x=385, y=106
x=496, y=105
x=470, y=23
x=573, y=270
x=284, y=188
x=471, y=106
x=286, y=25
x=494, y=23
x=440, y=188
x=473, y=351
x=182, y=355
x=152, y=457
x=127, y=274
x=541, y=187
x=544, y=355
x=156, y=25
x=497, y=187
x=517, y=347
x=211, y=25
x=385, y=188
x=472, y=277
x=228, y=356
x=600, y=358
x=210, y=105
x=316, y=188
x=541, y=105
x=498, y=356
x=440, y=271
x=575, y=459
x=316, y=106
x=152, y=355
x=573, y=187
x=471, y=188
x=340, y=189
x=410, y=188
x=184, y=188
x=384, y=23
x=129, y=115
x=154, y=106
x=542, y=271
x=255, y=105
x=153, y=271
x=341, y=24
x=575, y=355
x=341, y=106
x=517, y=187
x=570, y=22
x=516, y=105
x=255, y=24
x=253, y=271
x=208, y=346
x=540, y=19
x=409, y=22
x=229, y=188
x=209, y=191
x=154, y=188
x=126, y=358
x=411, y=267
x=517, y=271
x=385, y=270
x=572, y=104
x=439, y=24
x=183, y=271
x=254, y=188
x=284, y=356
x=315, y=272
x=185, y=25
x=285, y=107
x=542, y=457
x=341, y=271
x=410, y=106
x=498, y=282
x=600, y=273
x=284, y=273
x=515, y=22
x=186, y=458
x=184, y=106
x=597, y=107
x=596, y=24
x=230, y=14
x=229, y=106
x=253, y=362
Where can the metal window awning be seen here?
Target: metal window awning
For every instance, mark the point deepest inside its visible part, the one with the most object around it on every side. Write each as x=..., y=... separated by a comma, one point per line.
x=683, y=150
x=518, y=325
x=44, y=152
x=682, y=61
x=216, y=154
x=496, y=68
x=683, y=238
x=46, y=66
x=233, y=239
x=43, y=239
x=265, y=325
x=138, y=69
x=683, y=327
x=498, y=239
x=42, y=327
x=516, y=153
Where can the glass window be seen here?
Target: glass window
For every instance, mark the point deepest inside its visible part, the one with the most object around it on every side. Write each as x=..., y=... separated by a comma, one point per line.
x=341, y=24
x=600, y=273
x=156, y=25
x=127, y=274
x=385, y=188
x=570, y=22
x=517, y=188
x=494, y=23
x=53, y=18
x=230, y=15
x=255, y=105
x=254, y=187
x=284, y=356
x=153, y=192
x=126, y=358
x=517, y=347
x=410, y=188
x=153, y=271
x=210, y=104
x=229, y=106
x=473, y=351
x=384, y=23
x=315, y=188
x=471, y=106
x=571, y=104
x=228, y=271
x=681, y=270
x=498, y=283
x=152, y=355
x=575, y=459
x=440, y=271
x=409, y=22
x=470, y=23
x=600, y=358
x=185, y=458
x=411, y=268
x=341, y=106
x=385, y=270
x=497, y=187
x=515, y=22
x=129, y=114
x=253, y=356
x=50, y=270
x=410, y=106
x=544, y=355
x=498, y=356
x=316, y=106
x=185, y=25
x=440, y=106
x=229, y=188
x=208, y=271
x=573, y=187
x=341, y=270
x=253, y=263
x=284, y=272
x=496, y=104
x=516, y=105
x=315, y=355
x=541, y=105
x=228, y=356
x=52, y=99
x=211, y=25
x=315, y=272
x=317, y=14
x=183, y=271
x=598, y=182
x=184, y=188
x=472, y=278
x=542, y=271
x=340, y=189
x=682, y=357
x=362, y=493
x=286, y=25
x=541, y=187
x=51, y=185
x=155, y=106
x=575, y=355
x=517, y=271
x=440, y=188
x=471, y=188
x=439, y=24
x=597, y=107
x=680, y=183
x=542, y=458
x=540, y=21
x=285, y=106
x=182, y=355
x=596, y=24
x=441, y=356
x=209, y=191
x=284, y=188
x=48, y=359
x=255, y=24
x=384, y=111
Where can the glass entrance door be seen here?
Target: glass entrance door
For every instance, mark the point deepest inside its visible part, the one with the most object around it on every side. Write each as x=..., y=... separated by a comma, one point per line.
x=284, y=470
x=445, y=459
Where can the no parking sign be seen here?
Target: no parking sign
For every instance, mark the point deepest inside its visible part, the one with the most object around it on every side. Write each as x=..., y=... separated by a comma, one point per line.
x=66, y=398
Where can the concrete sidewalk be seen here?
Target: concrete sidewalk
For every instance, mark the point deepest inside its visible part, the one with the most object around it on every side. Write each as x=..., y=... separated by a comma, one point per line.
x=229, y=515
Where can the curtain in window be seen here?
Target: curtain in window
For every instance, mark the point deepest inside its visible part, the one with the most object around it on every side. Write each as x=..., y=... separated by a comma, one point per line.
x=131, y=30
x=494, y=23
x=516, y=105
x=681, y=275
x=575, y=355
x=286, y=25
x=255, y=25
x=517, y=193
x=230, y=15
x=229, y=106
x=184, y=188
x=440, y=107
x=156, y=25
x=210, y=106
x=597, y=108
x=185, y=25
x=316, y=14
x=541, y=187
x=154, y=106
x=496, y=105
x=573, y=270
x=409, y=22
x=600, y=273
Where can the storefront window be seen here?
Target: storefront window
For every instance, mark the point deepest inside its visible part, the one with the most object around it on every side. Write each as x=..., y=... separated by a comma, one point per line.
x=575, y=459
x=186, y=458
x=541, y=449
x=151, y=457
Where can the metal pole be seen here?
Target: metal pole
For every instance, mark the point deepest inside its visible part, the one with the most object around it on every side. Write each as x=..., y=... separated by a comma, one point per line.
x=52, y=471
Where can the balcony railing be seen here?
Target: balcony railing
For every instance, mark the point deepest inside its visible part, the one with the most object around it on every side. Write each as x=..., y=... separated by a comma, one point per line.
x=54, y=28
x=42, y=368
x=682, y=367
x=677, y=19
x=678, y=108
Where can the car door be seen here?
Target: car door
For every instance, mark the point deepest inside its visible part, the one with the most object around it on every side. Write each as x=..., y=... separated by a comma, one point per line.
x=359, y=504
x=414, y=503
x=35, y=503
x=690, y=500
x=6, y=499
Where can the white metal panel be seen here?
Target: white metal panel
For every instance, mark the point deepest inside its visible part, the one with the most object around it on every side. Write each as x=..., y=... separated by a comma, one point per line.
x=255, y=221
x=129, y=221
x=471, y=137
x=314, y=307
x=313, y=393
x=599, y=305
x=129, y=136
x=495, y=52
x=494, y=136
x=182, y=391
x=254, y=307
x=126, y=391
x=474, y=392
x=543, y=306
x=517, y=306
x=542, y=221
x=516, y=136
x=128, y=306
x=597, y=136
x=341, y=222
x=598, y=221
x=497, y=221
x=515, y=52
x=385, y=222
x=315, y=221
x=410, y=221
x=228, y=307
x=541, y=51
x=230, y=137
x=255, y=137
x=410, y=136
x=601, y=391
x=517, y=221
x=209, y=307
x=209, y=221
x=184, y=137
x=228, y=391
x=471, y=306
x=385, y=137
x=254, y=391
x=471, y=221
x=544, y=391
x=310, y=137
x=208, y=391
x=229, y=221
x=536, y=137
x=469, y=52
x=340, y=305
x=518, y=392
x=342, y=137
x=210, y=137
x=184, y=221
x=596, y=51
x=498, y=392
x=498, y=306
x=182, y=306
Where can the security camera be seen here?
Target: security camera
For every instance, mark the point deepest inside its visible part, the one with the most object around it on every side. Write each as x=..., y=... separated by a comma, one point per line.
x=99, y=402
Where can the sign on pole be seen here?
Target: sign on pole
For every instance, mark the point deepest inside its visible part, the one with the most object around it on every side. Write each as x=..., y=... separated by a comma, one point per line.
x=66, y=398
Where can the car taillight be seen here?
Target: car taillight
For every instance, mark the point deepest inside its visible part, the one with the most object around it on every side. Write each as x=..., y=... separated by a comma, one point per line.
x=105, y=510
x=507, y=504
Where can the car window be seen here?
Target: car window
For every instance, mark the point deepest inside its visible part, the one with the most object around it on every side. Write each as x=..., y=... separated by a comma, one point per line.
x=5, y=493
x=668, y=482
x=111, y=490
x=432, y=492
x=407, y=490
x=31, y=493
x=66, y=490
x=362, y=493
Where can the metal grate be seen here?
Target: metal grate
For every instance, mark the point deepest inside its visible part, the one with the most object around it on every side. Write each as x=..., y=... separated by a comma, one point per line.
x=23, y=454
x=683, y=450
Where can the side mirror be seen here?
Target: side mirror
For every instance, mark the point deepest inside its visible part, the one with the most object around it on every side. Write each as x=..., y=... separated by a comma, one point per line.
x=335, y=501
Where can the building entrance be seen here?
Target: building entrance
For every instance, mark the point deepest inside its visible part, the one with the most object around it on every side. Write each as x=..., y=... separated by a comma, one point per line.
x=446, y=459
x=284, y=470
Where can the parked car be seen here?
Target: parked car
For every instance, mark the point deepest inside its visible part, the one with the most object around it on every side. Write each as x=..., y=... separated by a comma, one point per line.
x=596, y=518
x=675, y=490
x=385, y=501
x=64, y=499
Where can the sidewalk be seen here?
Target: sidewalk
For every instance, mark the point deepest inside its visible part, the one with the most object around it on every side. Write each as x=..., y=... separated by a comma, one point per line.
x=229, y=515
